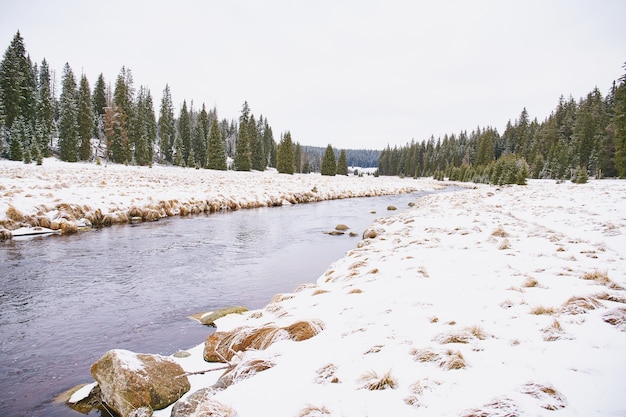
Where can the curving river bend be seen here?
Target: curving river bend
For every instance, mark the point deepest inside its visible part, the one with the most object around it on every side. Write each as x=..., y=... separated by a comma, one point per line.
x=66, y=300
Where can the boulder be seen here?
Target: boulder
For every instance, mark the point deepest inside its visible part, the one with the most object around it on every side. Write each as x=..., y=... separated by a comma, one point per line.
x=210, y=317
x=129, y=381
x=373, y=232
x=202, y=403
x=222, y=346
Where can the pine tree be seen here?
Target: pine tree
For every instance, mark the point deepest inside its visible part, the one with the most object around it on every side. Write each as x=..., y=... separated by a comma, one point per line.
x=243, y=159
x=166, y=126
x=85, y=119
x=284, y=157
x=68, y=117
x=201, y=137
x=216, y=149
x=297, y=157
x=329, y=166
x=342, y=163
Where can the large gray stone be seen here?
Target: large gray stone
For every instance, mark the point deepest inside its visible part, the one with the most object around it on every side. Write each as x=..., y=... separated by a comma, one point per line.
x=131, y=380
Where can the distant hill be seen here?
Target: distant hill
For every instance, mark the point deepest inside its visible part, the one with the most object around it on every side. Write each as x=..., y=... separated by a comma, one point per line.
x=363, y=158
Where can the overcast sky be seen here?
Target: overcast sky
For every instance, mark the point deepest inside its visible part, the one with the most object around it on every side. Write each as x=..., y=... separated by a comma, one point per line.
x=355, y=74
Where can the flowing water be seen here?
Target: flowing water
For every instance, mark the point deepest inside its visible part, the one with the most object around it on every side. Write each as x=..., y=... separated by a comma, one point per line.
x=66, y=300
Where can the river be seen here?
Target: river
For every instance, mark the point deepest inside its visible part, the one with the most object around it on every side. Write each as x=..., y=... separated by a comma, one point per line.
x=66, y=300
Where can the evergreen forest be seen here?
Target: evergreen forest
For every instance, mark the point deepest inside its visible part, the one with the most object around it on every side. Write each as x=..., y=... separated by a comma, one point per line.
x=578, y=139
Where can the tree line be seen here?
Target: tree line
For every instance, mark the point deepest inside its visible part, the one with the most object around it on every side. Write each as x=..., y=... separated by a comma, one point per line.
x=578, y=139
x=118, y=124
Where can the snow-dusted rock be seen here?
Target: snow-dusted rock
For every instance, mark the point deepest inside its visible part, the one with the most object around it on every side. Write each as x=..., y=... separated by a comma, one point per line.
x=129, y=381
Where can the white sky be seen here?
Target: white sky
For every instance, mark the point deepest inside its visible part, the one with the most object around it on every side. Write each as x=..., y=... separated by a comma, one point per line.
x=355, y=74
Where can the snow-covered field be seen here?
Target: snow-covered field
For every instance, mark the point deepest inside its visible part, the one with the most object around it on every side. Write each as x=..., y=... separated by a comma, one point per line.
x=64, y=196
x=487, y=302
x=492, y=301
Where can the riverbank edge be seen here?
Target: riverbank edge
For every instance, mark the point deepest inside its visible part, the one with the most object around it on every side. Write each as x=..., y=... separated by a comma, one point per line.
x=32, y=209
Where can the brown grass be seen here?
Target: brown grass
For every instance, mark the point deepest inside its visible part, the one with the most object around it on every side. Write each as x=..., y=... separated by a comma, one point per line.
x=602, y=278
x=14, y=214
x=530, y=282
x=549, y=396
x=499, y=407
x=326, y=374
x=222, y=346
x=313, y=411
x=448, y=360
x=243, y=370
x=541, y=310
x=580, y=305
x=500, y=232
x=616, y=317
x=505, y=245
x=373, y=382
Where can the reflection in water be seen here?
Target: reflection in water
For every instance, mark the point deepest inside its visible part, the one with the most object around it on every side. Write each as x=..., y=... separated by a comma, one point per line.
x=67, y=300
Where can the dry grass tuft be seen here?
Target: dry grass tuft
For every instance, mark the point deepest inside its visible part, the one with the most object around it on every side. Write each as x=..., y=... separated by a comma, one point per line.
x=580, y=305
x=326, y=374
x=499, y=407
x=373, y=382
x=602, y=278
x=610, y=297
x=447, y=360
x=282, y=297
x=616, y=317
x=314, y=411
x=461, y=336
x=551, y=399
x=319, y=292
x=541, y=310
x=355, y=291
x=243, y=370
x=554, y=332
x=14, y=214
x=222, y=346
x=505, y=245
x=500, y=232
x=530, y=282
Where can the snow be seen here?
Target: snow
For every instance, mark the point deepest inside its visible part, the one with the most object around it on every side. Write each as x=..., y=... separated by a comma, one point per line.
x=117, y=190
x=436, y=275
x=459, y=277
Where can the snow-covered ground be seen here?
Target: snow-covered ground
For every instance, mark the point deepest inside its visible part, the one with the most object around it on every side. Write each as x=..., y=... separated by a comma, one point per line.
x=486, y=302
x=491, y=301
x=56, y=192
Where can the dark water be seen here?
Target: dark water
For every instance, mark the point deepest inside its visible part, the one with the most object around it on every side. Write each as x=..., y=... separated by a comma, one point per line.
x=66, y=300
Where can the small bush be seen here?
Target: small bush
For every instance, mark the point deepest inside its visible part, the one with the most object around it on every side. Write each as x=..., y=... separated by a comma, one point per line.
x=530, y=282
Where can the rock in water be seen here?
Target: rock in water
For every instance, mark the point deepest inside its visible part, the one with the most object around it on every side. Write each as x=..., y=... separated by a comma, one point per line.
x=129, y=381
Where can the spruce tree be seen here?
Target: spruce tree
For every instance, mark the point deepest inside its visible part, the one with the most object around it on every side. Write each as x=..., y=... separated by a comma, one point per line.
x=115, y=134
x=297, y=157
x=243, y=159
x=342, y=163
x=68, y=117
x=18, y=136
x=166, y=126
x=619, y=127
x=45, y=111
x=284, y=157
x=184, y=135
x=216, y=149
x=99, y=98
x=329, y=166
x=123, y=99
x=17, y=83
x=85, y=119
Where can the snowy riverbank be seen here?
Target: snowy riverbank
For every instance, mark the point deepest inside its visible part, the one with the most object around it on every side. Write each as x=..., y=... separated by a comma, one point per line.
x=486, y=302
x=64, y=196
x=492, y=301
